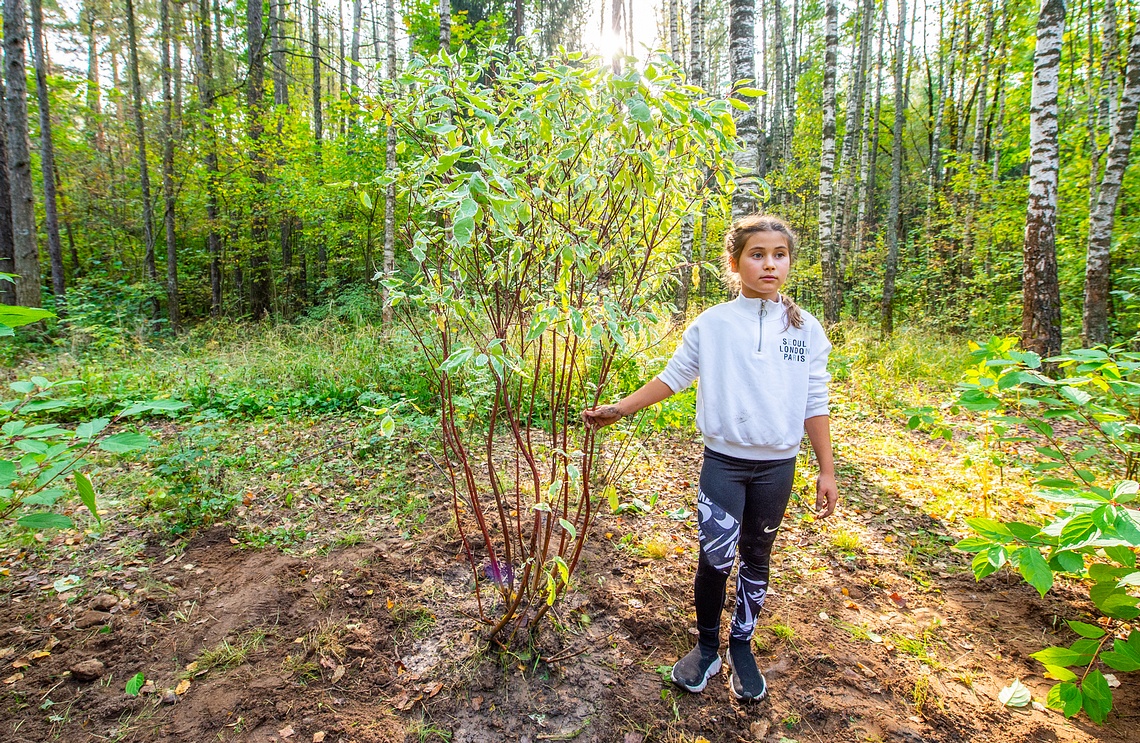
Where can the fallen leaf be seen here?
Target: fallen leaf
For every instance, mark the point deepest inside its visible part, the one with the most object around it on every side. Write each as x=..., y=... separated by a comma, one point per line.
x=889, y=538
x=432, y=689
x=1111, y=680
x=21, y=663
x=319, y=737
x=233, y=541
x=192, y=667
x=823, y=616
x=844, y=591
x=183, y=687
x=37, y=654
x=147, y=688
x=338, y=674
x=898, y=600
x=286, y=732
x=1015, y=695
x=874, y=638
x=13, y=678
x=6, y=653
x=851, y=605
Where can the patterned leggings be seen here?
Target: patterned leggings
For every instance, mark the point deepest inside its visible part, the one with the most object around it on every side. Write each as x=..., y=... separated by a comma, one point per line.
x=740, y=504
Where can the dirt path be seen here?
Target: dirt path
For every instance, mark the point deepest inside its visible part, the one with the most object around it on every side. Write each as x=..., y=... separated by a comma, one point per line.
x=873, y=631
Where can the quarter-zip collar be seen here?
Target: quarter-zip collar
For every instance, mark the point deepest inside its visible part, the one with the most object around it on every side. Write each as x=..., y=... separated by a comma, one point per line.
x=751, y=306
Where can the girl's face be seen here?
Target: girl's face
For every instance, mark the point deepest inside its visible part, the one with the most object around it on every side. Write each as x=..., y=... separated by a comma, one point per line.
x=763, y=265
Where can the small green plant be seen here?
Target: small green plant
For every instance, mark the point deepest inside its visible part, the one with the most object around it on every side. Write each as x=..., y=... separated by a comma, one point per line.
x=848, y=541
x=1085, y=428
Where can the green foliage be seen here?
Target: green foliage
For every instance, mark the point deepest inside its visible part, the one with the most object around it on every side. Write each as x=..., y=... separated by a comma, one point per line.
x=544, y=193
x=1085, y=428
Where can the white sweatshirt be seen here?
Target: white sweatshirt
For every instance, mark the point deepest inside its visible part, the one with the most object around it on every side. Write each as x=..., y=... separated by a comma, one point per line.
x=759, y=382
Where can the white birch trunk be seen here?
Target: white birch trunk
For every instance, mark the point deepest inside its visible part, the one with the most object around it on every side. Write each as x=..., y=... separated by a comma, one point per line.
x=886, y=307
x=1094, y=326
x=742, y=68
x=827, y=249
x=1041, y=298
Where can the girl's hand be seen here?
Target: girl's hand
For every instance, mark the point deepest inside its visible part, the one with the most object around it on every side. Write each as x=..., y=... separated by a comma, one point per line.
x=826, y=496
x=601, y=416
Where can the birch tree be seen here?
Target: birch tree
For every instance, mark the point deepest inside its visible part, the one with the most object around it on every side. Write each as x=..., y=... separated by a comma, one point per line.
x=390, y=165
x=1041, y=295
x=168, y=170
x=1094, y=324
x=140, y=139
x=742, y=68
x=890, y=270
x=827, y=249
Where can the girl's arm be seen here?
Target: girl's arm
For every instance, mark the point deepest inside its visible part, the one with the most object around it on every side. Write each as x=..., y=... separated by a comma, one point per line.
x=826, y=490
x=652, y=392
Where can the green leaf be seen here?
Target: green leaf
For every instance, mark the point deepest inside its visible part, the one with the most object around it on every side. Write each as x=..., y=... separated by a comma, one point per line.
x=366, y=201
x=990, y=528
x=1086, y=630
x=7, y=473
x=1034, y=569
x=45, y=520
x=1059, y=673
x=1056, y=656
x=1121, y=554
x=1067, y=561
x=462, y=229
x=14, y=317
x=974, y=544
x=135, y=684
x=639, y=111
x=1078, y=530
x=568, y=528
x=121, y=443
x=1098, y=697
x=91, y=429
x=1125, y=655
x=1114, y=601
x=87, y=494
x=46, y=497
x=982, y=566
x=1065, y=697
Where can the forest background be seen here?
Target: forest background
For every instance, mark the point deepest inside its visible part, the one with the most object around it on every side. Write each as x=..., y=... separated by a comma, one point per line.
x=400, y=217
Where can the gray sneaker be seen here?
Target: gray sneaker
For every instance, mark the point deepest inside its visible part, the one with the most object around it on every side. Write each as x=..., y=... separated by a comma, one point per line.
x=692, y=673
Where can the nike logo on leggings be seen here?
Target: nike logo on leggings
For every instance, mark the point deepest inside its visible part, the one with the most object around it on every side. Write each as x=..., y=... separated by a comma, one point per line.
x=769, y=531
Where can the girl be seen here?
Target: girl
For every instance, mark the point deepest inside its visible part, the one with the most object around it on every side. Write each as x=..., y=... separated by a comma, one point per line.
x=763, y=368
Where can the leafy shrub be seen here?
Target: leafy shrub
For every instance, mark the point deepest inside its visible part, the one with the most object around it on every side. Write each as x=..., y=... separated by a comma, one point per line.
x=1085, y=430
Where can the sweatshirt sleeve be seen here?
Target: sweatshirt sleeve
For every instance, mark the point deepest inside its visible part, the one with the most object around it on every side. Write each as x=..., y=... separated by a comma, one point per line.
x=818, y=376
x=684, y=367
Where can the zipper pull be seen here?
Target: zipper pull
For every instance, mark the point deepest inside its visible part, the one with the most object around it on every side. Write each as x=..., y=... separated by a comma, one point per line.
x=763, y=311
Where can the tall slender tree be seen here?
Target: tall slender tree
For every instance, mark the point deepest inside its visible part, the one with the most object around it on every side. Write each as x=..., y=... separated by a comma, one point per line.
x=318, y=122
x=828, y=252
x=1094, y=325
x=7, y=247
x=1040, y=293
x=390, y=164
x=742, y=68
x=47, y=160
x=140, y=139
x=172, y=309
x=26, y=260
x=445, y=25
x=890, y=270
x=255, y=105
x=94, y=116
x=206, y=97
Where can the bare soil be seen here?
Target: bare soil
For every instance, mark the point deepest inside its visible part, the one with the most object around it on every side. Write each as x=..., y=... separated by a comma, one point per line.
x=883, y=638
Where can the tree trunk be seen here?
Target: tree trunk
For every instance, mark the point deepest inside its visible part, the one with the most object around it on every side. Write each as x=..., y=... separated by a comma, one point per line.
x=696, y=77
x=168, y=171
x=869, y=152
x=47, y=162
x=445, y=25
x=206, y=96
x=854, y=142
x=977, y=152
x=674, y=31
x=25, y=247
x=519, y=13
x=742, y=68
x=779, y=80
x=390, y=163
x=1094, y=326
x=94, y=122
x=1041, y=296
x=140, y=136
x=281, y=100
x=354, y=73
x=7, y=247
x=828, y=255
x=886, y=308
x=255, y=104
x=318, y=123
x=1102, y=109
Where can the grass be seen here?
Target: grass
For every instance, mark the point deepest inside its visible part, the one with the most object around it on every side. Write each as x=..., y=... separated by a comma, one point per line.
x=226, y=655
